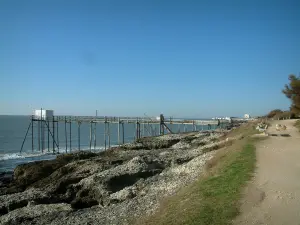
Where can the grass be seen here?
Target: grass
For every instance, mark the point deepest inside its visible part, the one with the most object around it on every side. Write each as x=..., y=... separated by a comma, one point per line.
x=213, y=199
x=244, y=130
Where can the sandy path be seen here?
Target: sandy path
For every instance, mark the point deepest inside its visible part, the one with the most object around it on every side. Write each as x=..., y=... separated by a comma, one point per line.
x=273, y=196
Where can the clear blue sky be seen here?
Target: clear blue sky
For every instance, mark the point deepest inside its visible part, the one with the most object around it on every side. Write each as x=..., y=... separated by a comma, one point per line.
x=182, y=58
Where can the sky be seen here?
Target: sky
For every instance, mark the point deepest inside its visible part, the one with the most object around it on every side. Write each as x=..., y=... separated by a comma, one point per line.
x=126, y=58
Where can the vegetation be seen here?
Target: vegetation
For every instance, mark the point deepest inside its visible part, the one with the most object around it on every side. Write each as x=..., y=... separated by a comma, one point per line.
x=284, y=115
x=297, y=124
x=274, y=112
x=292, y=91
x=214, y=198
x=278, y=114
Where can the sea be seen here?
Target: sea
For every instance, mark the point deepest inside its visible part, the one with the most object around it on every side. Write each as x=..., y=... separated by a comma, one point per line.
x=13, y=131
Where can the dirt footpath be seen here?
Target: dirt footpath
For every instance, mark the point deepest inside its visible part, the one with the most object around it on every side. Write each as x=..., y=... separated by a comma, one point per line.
x=273, y=196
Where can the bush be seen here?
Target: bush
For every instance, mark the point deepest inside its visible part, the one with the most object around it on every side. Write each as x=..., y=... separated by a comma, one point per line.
x=274, y=113
x=284, y=115
x=278, y=114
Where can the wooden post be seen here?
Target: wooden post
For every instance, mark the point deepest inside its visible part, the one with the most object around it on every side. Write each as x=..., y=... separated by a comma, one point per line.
x=40, y=130
x=95, y=135
x=161, y=125
x=118, y=130
x=48, y=131
x=136, y=129
x=108, y=133
x=70, y=136
x=66, y=134
x=140, y=132
x=79, y=123
x=39, y=134
x=160, y=128
x=42, y=135
x=91, y=127
x=143, y=127
x=25, y=137
x=105, y=135
x=53, y=137
x=123, y=139
x=32, y=140
x=57, y=136
x=150, y=130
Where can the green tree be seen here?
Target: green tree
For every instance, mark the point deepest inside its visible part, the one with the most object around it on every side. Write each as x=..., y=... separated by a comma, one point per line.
x=292, y=91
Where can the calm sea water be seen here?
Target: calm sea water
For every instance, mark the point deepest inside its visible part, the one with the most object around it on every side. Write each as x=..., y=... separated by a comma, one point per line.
x=13, y=130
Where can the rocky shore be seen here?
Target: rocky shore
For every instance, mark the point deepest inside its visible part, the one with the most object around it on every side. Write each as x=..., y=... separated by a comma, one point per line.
x=112, y=187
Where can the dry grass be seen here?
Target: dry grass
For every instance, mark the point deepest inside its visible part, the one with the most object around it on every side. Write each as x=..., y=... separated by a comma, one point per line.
x=246, y=129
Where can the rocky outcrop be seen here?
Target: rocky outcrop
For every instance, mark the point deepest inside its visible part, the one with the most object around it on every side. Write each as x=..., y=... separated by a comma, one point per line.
x=110, y=187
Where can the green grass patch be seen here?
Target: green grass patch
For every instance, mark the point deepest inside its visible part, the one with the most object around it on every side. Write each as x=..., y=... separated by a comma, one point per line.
x=214, y=198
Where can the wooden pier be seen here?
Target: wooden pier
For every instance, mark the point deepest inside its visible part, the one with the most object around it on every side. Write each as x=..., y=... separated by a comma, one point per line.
x=142, y=125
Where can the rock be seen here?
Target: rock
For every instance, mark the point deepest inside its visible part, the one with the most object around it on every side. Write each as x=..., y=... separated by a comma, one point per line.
x=19, y=200
x=24, y=214
x=5, y=178
x=158, y=142
x=181, y=145
x=27, y=174
x=122, y=195
x=133, y=146
x=79, y=155
x=105, y=188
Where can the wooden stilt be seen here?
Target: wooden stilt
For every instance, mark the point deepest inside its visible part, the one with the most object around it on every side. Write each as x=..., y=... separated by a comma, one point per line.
x=108, y=134
x=66, y=134
x=79, y=123
x=53, y=131
x=123, y=133
x=48, y=132
x=39, y=134
x=57, y=137
x=95, y=136
x=105, y=136
x=70, y=135
x=32, y=133
x=91, y=127
x=119, y=130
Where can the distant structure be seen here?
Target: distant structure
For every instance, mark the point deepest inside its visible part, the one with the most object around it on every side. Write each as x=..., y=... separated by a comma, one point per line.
x=247, y=116
x=43, y=114
x=223, y=118
x=46, y=126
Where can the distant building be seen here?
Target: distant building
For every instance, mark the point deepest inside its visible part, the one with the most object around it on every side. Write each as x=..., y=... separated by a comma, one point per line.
x=43, y=114
x=247, y=116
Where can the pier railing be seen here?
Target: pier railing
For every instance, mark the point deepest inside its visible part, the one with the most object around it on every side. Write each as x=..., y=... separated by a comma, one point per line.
x=114, y=119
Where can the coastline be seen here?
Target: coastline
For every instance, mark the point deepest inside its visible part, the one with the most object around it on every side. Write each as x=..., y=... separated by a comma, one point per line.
x=128, y=179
